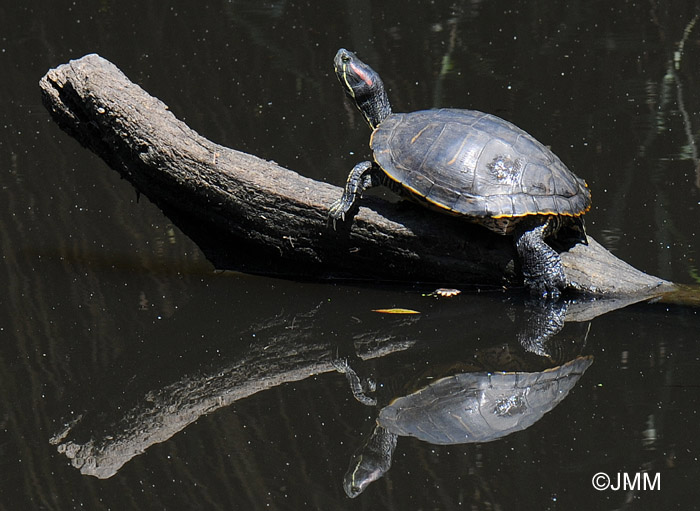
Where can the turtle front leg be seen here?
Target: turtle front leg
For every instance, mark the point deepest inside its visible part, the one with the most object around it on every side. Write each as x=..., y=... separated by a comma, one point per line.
x=542, y=266
x=363, y=176
x=359, y=387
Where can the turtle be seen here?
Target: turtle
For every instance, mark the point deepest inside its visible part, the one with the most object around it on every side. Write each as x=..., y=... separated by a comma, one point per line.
x=457, y=408
x=469, y=164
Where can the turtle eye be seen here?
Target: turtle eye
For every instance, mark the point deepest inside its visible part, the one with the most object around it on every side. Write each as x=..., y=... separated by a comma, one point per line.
x=345, y=58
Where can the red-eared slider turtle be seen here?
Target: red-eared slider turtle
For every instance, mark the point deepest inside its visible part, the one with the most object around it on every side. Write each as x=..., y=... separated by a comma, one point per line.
x=471, y=164
x=459, y=408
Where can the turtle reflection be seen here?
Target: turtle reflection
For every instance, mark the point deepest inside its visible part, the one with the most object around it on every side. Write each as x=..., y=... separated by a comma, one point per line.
x=460, y=408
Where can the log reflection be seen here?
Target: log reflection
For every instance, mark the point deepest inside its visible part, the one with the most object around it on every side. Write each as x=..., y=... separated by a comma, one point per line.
x=158, y=392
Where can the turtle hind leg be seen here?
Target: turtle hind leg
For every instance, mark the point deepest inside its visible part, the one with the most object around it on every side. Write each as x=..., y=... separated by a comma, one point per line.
x=542, y=266
x=571, y=232
x=543, y=322
x=364, y=175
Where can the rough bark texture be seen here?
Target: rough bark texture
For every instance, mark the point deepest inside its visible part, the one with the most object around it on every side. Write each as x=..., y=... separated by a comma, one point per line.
x=263, y=208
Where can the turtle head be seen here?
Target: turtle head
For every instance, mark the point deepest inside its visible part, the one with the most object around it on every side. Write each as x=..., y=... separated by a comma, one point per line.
x=370, y=462
x=363, y=85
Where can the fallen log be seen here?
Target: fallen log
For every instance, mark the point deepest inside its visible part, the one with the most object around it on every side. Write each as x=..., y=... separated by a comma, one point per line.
x=250, y=214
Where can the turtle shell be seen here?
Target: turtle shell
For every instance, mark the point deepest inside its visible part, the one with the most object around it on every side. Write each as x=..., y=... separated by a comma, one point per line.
x=480, y=407
x=476, y=164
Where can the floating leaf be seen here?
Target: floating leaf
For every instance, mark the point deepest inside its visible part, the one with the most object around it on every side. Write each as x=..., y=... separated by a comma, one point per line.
x=396, y=311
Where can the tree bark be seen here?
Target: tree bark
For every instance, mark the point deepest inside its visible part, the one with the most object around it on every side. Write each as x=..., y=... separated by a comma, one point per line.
x=251, y=214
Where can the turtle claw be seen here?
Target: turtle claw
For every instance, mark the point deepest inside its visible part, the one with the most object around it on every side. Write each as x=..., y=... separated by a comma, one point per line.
x=340, y=364
x=360, y=179
x=338, y=210
x=545, y=289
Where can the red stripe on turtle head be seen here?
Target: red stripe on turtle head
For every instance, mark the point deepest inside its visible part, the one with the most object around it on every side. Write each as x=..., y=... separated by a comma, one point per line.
x=363, y=76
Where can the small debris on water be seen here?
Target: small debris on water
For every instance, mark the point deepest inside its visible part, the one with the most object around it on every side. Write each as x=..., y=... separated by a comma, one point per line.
x=395, y=311
x=444, y=292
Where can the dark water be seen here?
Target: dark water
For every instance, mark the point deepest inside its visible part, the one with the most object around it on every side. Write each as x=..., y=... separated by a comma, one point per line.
x=187, y=388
